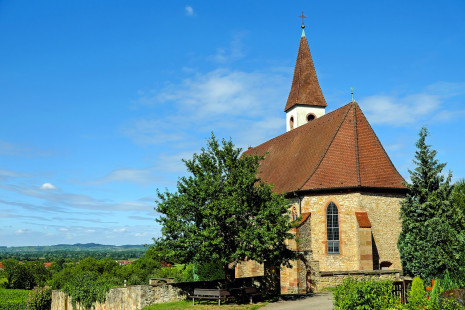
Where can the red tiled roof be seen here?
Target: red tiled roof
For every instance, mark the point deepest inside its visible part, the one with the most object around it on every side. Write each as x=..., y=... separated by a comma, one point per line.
x=363, y=220
x=305, y=216
x=48, y=264
x=1, y=265
x=305, y=89
x=337, y=150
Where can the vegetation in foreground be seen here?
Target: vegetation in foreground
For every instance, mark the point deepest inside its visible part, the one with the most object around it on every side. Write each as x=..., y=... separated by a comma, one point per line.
x=355, y=294
x=432, y=240
x=204, y=305
x=13, y=299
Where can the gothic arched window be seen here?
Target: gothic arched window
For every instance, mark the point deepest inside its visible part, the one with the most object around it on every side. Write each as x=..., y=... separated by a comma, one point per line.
x=332, y=228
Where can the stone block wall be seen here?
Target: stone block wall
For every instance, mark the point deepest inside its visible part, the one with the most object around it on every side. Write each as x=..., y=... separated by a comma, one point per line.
x=125, y=298
x=383, y=212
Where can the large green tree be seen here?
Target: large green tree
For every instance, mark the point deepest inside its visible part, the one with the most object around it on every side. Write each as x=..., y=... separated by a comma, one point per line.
x=221, y=212
x=430, y=242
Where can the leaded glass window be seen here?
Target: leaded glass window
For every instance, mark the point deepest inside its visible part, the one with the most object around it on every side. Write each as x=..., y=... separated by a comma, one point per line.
x=332, y=228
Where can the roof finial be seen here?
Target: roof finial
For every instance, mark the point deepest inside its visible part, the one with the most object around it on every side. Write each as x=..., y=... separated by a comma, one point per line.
x=302, y=16
x=352, y=92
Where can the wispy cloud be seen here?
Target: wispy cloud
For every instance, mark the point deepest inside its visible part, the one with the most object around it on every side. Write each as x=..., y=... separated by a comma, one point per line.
x=413, y=108
x=137, y=176
x=217, y=100
x=234, y=52
x=189, y=10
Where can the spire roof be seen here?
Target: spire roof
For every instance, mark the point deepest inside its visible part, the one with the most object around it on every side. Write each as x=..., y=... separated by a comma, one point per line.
x=305, y=89
x=338, y=150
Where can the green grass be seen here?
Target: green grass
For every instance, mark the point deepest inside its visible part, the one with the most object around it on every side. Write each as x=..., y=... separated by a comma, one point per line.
x=204, y=305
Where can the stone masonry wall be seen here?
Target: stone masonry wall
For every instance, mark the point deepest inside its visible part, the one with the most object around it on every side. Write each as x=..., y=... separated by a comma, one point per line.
x=125, y=298
x=383, y=212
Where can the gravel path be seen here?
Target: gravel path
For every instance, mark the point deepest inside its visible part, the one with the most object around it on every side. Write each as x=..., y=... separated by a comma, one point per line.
x=319, y=301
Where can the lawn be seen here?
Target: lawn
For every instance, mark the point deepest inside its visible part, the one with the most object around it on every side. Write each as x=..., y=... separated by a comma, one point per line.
x=204, y=305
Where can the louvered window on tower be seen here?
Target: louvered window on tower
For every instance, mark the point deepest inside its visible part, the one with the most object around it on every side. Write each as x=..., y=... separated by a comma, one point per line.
x=332, y=228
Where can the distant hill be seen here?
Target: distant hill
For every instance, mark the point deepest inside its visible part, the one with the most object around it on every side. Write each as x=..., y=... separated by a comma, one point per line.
x=73, y=247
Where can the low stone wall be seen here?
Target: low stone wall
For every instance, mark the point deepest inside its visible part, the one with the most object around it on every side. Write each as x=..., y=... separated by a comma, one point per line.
x=332, y=278
x=125, y=298
x=136, y=297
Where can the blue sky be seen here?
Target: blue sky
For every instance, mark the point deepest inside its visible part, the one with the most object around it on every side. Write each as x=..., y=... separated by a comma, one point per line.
x=100, y=100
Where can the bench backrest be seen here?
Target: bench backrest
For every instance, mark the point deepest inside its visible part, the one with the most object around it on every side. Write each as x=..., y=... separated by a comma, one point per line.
x=210, y=292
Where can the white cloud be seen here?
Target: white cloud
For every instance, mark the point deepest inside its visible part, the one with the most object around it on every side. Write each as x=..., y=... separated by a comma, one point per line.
x=234, y=101
x=120, y=229
x=138, y=176
x=189, y=10
x=48, y=186
x=234, y=52
x=63, y=229
x=414, y=108
x=22, y=231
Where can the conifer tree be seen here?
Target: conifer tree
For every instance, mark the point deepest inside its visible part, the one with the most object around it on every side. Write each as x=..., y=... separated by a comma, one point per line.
x=428, y=243
x=223, y=213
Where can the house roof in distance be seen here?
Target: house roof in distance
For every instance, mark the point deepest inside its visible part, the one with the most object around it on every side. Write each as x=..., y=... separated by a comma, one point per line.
x=305, y=89
x=337, y=150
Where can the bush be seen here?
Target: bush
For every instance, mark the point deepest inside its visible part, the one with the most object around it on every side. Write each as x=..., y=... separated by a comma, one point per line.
x=86, y=288
x=355, y=294
x=40, y=299
x=13, y=299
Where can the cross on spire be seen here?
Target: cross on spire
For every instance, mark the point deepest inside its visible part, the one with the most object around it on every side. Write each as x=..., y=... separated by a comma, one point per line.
x=352, y=93
x=302, y=16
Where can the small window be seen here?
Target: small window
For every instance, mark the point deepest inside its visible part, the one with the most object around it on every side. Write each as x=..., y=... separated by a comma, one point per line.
x=332, y=229
x=310, y=117
x=294, y=213
x=291, y=122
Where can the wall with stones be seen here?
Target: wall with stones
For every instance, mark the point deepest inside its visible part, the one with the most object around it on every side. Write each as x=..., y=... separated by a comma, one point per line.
x=383, y=212
x=349, y=256
x=326, y=280
x=249, y=268
x=125, y=298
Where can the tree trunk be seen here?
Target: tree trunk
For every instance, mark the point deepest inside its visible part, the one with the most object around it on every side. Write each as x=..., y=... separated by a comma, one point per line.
x=230, y=274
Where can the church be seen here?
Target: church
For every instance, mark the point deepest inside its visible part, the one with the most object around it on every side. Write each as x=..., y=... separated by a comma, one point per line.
x=342, y=185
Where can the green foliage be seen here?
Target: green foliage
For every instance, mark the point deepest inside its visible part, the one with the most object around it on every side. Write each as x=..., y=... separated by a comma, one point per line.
x=13, y=299
x=355, y=294
x=40, y=299
x=208, y=271
x=86, y=288
x=419, y=299
x=222, y=212
x=432, y=238
x=417, y=294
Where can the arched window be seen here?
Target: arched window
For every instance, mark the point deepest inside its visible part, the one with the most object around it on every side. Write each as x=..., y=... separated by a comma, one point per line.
x=332, y=228
x=310, y=117
x=291, y=122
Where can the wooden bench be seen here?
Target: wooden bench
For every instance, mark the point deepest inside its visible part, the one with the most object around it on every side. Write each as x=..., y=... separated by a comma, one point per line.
x=251, y=292
x=202, y=293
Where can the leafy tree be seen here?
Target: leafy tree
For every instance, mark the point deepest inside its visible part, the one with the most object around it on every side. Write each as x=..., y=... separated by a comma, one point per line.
x=223, y=213
x=428, y=243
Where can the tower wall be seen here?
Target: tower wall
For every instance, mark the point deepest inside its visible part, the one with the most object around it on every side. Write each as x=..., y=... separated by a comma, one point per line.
x=299, y=115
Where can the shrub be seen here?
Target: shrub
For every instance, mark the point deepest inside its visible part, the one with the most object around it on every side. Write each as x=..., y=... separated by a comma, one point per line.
x=86, y=288
x=355, y=294
x=40, y=299
x=13, y=299
x=417, y=294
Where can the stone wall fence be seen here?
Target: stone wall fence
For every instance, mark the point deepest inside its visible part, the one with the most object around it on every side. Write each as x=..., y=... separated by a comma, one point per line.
x=136, y=297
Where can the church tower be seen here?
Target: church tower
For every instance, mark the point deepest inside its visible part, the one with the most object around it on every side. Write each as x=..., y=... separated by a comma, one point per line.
x=305, y=102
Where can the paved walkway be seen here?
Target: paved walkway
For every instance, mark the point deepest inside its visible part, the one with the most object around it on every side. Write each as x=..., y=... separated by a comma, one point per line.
x=319, y=301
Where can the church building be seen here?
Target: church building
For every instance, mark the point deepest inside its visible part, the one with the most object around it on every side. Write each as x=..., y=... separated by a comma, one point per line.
x=344, y=189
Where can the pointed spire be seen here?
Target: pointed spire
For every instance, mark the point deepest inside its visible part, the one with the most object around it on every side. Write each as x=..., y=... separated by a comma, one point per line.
x=305, y=89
